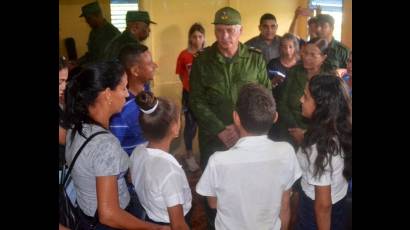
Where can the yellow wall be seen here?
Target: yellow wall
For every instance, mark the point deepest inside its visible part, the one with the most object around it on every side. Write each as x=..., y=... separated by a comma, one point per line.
x=347, y=23
x=71, y=25
x=174, y=17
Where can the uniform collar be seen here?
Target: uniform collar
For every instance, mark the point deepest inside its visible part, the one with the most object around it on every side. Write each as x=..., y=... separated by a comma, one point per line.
x=164, y=155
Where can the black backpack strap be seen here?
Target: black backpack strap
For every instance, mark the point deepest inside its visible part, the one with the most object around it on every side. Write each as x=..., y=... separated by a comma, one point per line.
x=78, y=153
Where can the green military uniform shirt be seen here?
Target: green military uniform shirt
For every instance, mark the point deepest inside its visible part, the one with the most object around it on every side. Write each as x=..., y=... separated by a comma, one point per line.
x=215, y=83
x=113, y=49
x=337, y=55
x=289, y=106
x=97, y=42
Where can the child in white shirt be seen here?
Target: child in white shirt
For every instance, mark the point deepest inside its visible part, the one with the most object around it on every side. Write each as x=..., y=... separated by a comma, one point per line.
x=250, y=183
x=159, y=180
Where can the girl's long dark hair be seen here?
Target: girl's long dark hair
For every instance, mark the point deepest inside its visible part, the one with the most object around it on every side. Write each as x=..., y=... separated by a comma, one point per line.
x=83, y=89
x=330, y=127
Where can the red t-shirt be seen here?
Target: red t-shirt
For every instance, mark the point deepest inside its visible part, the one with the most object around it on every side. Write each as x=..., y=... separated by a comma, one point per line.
x=184, y=63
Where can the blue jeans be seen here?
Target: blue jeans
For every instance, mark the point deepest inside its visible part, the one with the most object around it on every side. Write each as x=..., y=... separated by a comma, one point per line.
x=306, y=214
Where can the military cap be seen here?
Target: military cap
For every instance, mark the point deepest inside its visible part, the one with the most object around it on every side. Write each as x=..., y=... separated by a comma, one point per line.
x=89, y=9
x=227, y=16
x=138, y=16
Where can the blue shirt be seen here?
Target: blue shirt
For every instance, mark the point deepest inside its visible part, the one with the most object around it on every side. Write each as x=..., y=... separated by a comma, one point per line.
x=125, y=125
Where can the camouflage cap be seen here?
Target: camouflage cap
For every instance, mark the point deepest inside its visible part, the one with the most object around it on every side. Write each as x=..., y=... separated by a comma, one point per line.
x=138, y=16
x=89, y=9
x=227, y=16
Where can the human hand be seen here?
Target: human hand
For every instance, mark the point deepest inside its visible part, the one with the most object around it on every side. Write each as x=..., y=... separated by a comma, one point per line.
x=318, y=10
x=229, y=135
x=298, y=134
x=276, y=81
x=298, y=11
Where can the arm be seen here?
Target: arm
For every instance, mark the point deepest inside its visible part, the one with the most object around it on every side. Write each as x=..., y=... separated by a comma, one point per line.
x=284, y=214
x=176, y=216
x=292, y=27
x=285, y=115
x=206, y=119
x=109, y=211
x=263, y=78
x=62, y=132
x=212, y=201
x=323, y=206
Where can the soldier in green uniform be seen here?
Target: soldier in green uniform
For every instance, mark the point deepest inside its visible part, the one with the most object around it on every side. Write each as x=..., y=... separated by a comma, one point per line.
x=217, y=75
x=338, y=53
x=102, y=32
x=137, y=30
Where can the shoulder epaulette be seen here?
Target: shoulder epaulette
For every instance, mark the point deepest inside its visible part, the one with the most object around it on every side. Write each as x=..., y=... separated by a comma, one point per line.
x=254, y=49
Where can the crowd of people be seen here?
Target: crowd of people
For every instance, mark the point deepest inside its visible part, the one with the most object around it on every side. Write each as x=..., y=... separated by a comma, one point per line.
x=273, y=117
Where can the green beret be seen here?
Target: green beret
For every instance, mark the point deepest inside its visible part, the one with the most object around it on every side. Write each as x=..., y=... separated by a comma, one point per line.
x=227, y=16
x=138, y=16
x=89, y=9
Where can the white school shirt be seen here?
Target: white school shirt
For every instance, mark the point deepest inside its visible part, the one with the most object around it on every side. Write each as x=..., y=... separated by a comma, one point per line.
x=160, y=182
x=248, y=181
x=337, y=181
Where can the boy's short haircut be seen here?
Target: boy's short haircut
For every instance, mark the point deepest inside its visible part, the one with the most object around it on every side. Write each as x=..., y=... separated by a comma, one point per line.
x=267, y=16
x=256, y=108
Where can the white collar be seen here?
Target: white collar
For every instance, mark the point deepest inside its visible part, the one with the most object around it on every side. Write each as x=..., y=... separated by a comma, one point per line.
x=250, y=141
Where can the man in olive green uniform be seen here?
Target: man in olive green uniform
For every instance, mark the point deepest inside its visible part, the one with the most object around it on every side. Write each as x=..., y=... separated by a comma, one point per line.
x=137, y=30
x=102, y=32
x=216, y=77
x=338, y=53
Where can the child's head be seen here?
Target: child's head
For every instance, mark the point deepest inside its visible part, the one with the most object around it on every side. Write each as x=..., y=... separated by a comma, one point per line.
x=196, y=36
x=138, y=62
x=159, y=118
x=326, y=97
x=289, y=45
x=327, y=104
x=255, y=110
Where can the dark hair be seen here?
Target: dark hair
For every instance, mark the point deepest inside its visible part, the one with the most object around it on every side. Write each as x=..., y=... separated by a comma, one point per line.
x=321, y=43
x=156, y=125
x=195, y=27
x=325, y=18
x=62, y=63
x=290, y=37
x=330, y=127
x=83, y=89
x=130, y=53
x=256, y=108
x=312, y=20
x=267, y=16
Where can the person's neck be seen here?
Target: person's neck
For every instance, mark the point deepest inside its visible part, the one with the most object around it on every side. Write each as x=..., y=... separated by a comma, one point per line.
x=229, y=53
x=101, y=23
x=135, y=87
x=288, y=61
x=329, y=39
x=312, y=72
x=268, y=41
x=193, y=49
x=99, y=116
x=161, y=144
